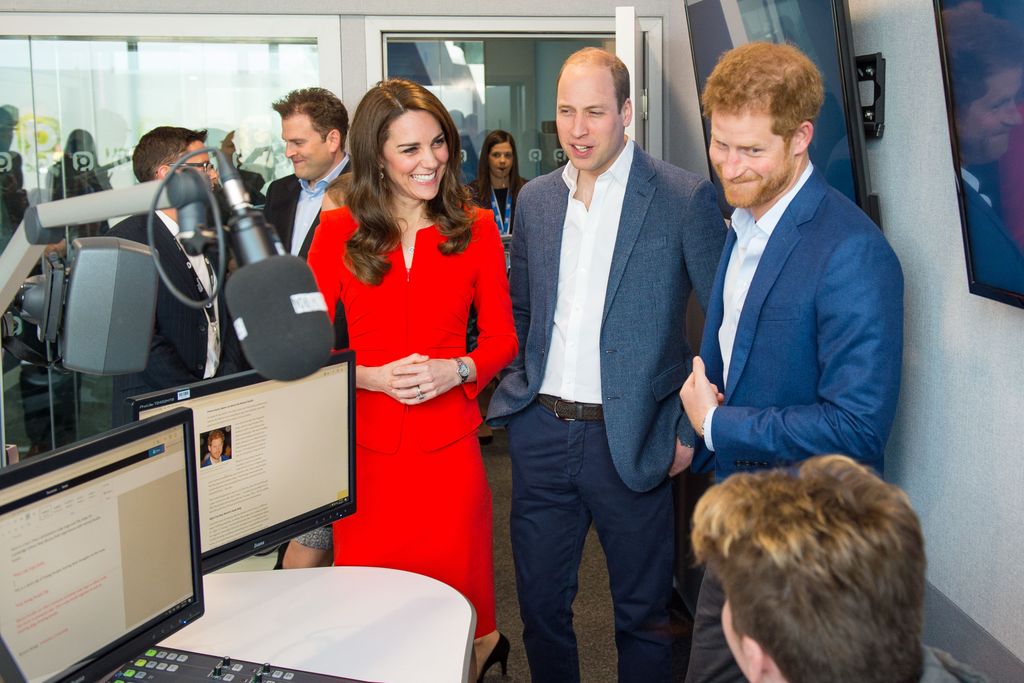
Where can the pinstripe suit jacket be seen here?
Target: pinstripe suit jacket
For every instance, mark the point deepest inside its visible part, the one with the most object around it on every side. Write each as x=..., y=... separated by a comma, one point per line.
x=177, y=353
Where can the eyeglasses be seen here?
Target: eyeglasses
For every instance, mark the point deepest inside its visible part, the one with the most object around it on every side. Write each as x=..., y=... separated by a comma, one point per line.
x=204, y=166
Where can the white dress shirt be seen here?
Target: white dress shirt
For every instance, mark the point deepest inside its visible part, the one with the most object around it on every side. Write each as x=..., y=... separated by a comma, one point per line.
x=311, y=198
x=573, y=369
x=751, y=239
x=202, y=270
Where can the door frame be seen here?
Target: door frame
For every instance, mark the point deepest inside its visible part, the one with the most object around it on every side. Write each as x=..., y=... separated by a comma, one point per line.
x=379, y=27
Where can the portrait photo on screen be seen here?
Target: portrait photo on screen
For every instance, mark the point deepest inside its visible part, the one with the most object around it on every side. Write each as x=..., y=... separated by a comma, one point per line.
x=215, y=446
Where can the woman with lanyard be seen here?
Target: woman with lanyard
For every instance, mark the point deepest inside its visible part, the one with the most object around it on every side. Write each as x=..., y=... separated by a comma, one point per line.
x=497, y=181
x=496, y=187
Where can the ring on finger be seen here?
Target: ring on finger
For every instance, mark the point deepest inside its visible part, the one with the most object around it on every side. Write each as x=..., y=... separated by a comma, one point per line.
x=419, y=394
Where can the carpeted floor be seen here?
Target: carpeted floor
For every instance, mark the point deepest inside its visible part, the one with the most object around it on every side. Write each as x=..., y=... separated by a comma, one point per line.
x=593, y=608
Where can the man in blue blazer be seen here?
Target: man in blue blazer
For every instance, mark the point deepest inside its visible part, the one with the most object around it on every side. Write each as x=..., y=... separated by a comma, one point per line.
x=803, y=342
x=604, y=256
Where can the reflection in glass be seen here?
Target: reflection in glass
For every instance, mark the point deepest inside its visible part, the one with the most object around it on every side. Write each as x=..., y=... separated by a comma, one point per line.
x=71, y=111
x=984, y=45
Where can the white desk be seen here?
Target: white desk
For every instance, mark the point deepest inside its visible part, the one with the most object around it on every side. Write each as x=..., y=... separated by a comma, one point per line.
x=359, y=622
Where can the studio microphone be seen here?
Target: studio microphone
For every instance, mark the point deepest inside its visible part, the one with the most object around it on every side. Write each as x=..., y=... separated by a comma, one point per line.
x=189, y=190
x=279, y=314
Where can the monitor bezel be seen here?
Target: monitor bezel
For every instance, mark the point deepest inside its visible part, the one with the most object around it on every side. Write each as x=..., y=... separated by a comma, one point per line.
x=274, y=535
x=974, y=285
x=100, y=664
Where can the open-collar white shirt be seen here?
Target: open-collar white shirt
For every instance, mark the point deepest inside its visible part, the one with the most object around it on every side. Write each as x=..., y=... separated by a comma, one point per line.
x=573, y=369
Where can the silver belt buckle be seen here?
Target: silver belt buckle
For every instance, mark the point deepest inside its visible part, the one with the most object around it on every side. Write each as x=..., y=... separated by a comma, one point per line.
x=568, y=403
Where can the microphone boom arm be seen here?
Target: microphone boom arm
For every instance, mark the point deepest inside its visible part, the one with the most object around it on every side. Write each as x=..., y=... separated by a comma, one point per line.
x=43, y=224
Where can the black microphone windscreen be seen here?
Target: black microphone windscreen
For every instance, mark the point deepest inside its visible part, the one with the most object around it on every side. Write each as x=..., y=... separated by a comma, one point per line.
x=280, y=317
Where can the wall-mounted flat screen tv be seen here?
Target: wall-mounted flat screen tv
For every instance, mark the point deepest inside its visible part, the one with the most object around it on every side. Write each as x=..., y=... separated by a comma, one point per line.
x=982, y=48
x=820, y=28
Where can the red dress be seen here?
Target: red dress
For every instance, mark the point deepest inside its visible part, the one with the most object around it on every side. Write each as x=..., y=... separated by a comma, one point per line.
x=422, y=499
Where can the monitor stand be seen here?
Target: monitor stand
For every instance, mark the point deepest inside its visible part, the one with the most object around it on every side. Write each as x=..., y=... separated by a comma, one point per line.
x=9, y=671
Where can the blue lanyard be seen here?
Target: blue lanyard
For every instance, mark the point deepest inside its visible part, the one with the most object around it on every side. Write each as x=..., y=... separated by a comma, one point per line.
x=503, y=225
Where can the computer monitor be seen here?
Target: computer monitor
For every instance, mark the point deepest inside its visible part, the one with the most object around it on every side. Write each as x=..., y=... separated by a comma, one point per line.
x=99, y=550
x=277, y=459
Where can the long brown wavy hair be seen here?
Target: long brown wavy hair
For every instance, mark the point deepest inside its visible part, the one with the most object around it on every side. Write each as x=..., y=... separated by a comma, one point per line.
x=481, y=187
x=370, y=196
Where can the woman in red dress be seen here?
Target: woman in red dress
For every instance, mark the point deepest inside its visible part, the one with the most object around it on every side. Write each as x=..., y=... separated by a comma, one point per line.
x=406, y=258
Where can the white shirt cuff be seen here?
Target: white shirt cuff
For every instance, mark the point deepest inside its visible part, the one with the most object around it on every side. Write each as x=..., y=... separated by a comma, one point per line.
x=707, y=428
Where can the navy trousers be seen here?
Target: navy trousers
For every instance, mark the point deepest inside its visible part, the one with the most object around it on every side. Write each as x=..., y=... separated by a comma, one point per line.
x=563, y=480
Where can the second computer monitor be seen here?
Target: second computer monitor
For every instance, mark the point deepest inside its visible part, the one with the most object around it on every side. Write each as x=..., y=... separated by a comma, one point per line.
x=276, y=459
x=99, y=551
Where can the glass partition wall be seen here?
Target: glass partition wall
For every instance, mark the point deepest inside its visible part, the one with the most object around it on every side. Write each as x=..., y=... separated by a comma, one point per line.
x=71, y=111
x=490, y=83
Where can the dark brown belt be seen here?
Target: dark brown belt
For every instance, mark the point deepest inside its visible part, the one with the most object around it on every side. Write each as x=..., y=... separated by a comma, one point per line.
x=571, y=410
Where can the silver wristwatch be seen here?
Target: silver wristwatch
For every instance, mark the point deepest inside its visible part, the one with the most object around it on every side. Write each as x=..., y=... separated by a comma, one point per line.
x=463, y=370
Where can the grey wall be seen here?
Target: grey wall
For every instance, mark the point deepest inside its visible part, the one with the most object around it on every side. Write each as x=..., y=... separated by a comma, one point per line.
x=957, y=446
x=957, y=443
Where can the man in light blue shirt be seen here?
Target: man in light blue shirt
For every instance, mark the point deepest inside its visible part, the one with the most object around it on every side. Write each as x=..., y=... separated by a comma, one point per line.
x=802, y=348
x=314, y=125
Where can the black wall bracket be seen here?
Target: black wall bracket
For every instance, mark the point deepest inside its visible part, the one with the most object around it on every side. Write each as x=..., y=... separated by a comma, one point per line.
x=871, y=70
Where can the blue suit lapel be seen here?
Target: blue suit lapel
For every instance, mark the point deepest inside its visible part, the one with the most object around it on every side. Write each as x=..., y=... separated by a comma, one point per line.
x=635, y=202
x=710, y=351
x=780, y=246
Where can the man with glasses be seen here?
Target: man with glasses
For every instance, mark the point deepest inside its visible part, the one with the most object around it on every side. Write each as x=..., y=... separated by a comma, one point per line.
x=189, y=344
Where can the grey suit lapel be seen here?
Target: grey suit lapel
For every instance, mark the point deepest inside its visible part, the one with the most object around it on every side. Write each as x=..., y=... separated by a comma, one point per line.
x=551, y=247
x=635, y=202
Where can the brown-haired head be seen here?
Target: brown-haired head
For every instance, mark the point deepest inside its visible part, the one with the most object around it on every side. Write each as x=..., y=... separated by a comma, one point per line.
x=481, y=187
x=370, y=195
x=823, y=568
x=597, y=57
x=325, y=111
x=766, y=78
x=160, y=146
x=215, y=434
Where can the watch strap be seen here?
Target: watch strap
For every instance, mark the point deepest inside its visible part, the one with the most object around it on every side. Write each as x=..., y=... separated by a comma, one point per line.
x=463, y=370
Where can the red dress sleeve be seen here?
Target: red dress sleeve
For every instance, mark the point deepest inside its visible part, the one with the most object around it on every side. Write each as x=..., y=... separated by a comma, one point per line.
x=327, y=254
x=497, y=344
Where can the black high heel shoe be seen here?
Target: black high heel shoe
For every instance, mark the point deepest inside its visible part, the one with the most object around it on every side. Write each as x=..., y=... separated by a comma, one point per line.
x=498, y=654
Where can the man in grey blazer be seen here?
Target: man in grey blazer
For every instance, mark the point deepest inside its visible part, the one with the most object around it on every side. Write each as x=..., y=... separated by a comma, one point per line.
x=604, y=256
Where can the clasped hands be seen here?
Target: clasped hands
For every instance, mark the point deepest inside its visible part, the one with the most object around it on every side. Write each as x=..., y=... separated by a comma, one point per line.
x=416, y=378
x=699, y=396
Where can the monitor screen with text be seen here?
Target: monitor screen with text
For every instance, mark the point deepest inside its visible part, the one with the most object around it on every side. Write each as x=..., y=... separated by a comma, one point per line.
x=99, y=550
x=274, y=459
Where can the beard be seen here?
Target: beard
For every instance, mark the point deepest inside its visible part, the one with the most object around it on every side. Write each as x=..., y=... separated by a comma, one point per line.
x=753, y=193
